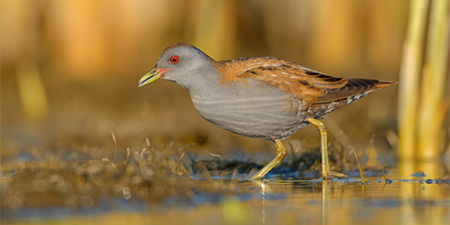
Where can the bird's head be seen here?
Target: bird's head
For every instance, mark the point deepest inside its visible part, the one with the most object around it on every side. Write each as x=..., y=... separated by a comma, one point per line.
x=181, y=63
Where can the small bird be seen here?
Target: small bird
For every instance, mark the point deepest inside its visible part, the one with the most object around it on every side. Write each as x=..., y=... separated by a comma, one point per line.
x=259, y=97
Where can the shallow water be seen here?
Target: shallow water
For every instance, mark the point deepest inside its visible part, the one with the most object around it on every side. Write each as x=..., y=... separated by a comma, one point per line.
x=271, y=201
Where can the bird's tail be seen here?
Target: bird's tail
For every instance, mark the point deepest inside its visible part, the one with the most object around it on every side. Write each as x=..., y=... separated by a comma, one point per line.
x=383, y=84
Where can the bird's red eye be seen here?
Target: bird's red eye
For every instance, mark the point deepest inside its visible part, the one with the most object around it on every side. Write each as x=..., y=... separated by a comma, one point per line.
x=174, y=59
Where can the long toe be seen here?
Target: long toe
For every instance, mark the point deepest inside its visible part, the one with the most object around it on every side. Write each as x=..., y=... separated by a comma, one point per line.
x=338, y=175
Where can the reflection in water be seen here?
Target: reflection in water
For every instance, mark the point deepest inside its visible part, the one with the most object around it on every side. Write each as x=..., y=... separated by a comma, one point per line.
x=404, y=201
x=263, y=193
x=325, y=190
x=418, y=195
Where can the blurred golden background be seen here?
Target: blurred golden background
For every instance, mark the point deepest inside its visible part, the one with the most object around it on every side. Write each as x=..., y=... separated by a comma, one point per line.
x=69, y=69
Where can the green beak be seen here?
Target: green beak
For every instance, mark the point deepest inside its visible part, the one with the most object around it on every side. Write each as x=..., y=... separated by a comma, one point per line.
x=151, y=76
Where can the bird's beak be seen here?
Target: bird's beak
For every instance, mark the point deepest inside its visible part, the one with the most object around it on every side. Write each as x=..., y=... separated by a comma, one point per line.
x=151, y=76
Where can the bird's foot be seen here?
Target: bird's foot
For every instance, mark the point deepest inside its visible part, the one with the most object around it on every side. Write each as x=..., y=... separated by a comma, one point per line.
x=334, y=174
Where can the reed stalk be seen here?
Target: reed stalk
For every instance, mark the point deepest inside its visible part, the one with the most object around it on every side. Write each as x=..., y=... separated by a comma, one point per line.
x=433, y=83
x=409, y=78
x=422, y=84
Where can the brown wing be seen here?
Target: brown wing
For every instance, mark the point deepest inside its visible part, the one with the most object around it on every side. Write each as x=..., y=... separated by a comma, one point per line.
x=303, y=83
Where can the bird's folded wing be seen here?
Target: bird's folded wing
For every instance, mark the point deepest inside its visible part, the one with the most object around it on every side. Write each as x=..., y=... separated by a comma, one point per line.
x=303, y=83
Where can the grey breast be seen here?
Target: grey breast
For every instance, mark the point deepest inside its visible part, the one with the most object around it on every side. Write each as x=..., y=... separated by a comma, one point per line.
x=249, y=108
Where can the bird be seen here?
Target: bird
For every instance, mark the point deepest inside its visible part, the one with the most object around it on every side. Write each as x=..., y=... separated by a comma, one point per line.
x=260, y=97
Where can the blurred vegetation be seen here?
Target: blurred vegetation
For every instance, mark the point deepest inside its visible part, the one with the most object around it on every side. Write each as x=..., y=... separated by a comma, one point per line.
x=70, y=68
x=424, y=79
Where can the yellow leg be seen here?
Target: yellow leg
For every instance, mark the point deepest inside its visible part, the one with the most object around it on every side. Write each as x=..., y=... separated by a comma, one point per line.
x=326, y=171
x=280, y=156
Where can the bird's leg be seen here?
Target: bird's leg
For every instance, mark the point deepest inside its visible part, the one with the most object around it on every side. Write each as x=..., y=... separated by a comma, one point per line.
x=281, y=153
x=326, y=171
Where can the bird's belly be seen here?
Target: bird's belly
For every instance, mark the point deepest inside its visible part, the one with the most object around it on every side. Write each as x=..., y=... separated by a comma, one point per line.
x=259, y=115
